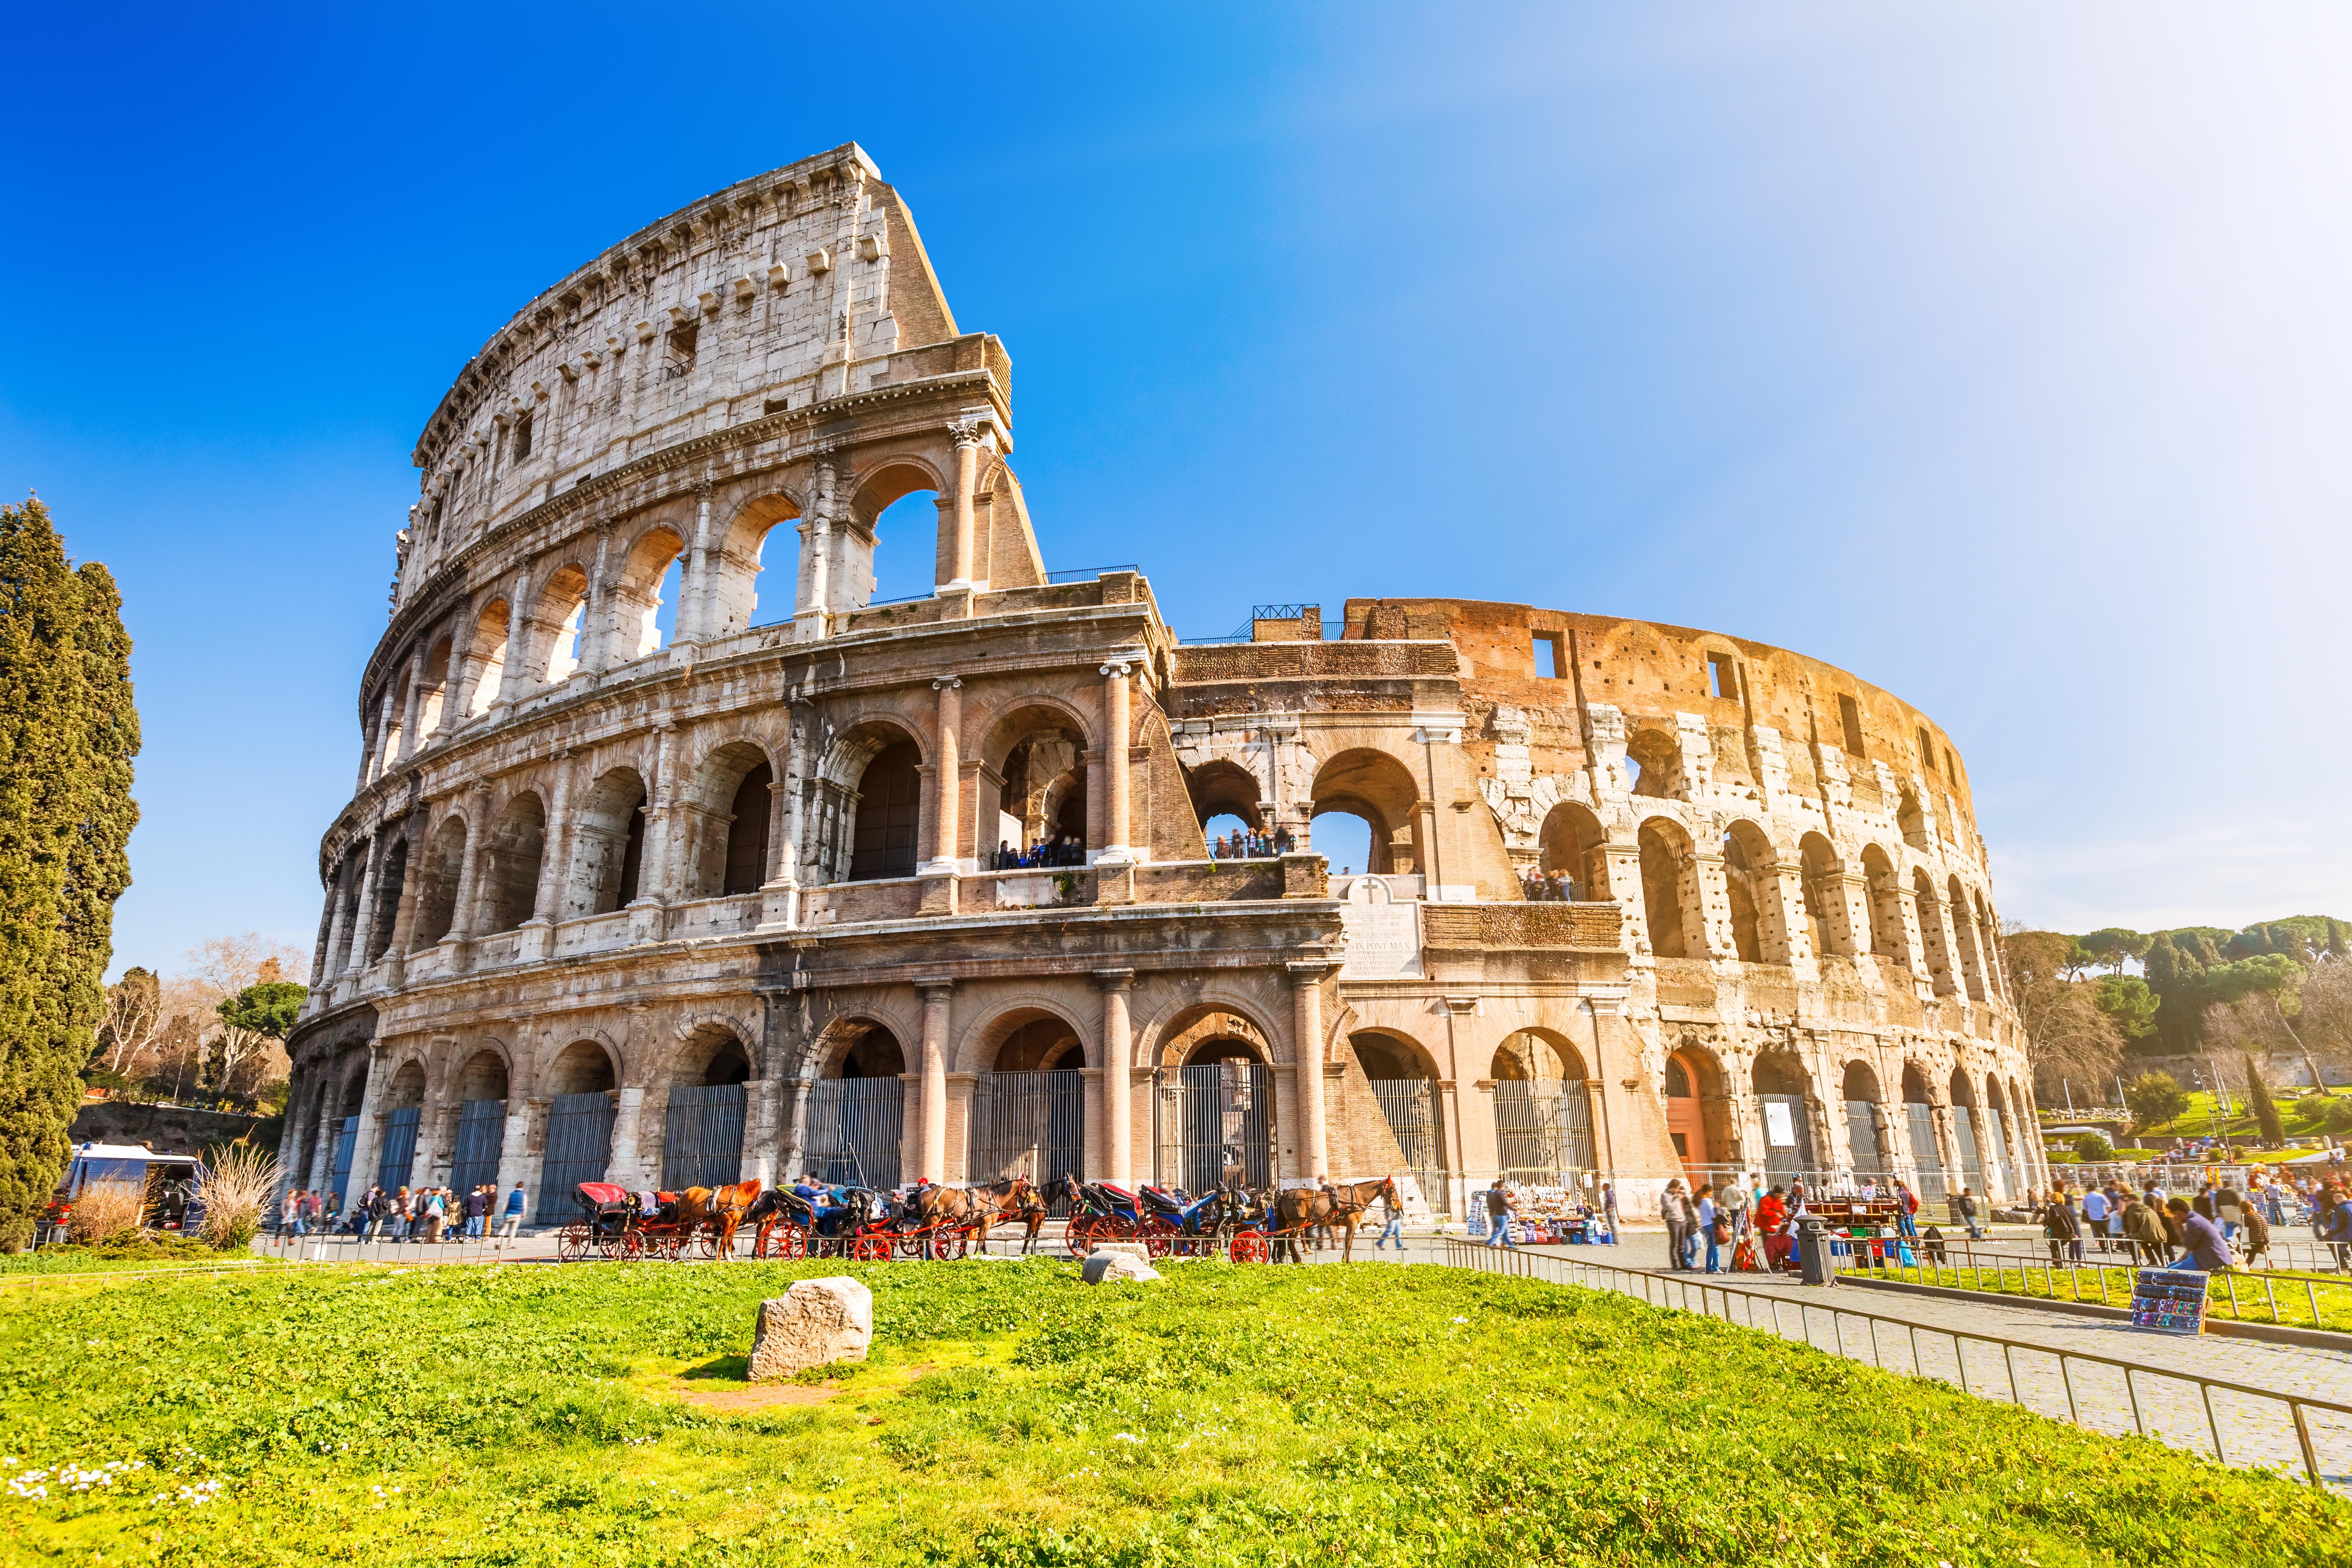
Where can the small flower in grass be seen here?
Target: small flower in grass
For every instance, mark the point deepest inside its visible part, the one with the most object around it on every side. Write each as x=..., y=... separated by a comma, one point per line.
x=1460, y=1319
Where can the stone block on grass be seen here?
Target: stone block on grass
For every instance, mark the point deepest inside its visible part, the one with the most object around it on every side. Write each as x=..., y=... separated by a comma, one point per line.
x=1106, y=1268
x=817, y=1323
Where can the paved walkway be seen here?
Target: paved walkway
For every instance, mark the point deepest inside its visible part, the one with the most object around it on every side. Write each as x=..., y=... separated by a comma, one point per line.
x=1918, y=1334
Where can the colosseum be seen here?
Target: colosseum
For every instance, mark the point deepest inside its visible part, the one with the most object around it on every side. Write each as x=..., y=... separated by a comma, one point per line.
x=673, y=857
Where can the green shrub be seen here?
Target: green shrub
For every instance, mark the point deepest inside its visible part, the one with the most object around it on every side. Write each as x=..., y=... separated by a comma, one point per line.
x=2093, y=1147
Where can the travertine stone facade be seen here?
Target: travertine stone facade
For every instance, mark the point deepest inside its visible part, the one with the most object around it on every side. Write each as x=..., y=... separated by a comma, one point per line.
x=608, y=902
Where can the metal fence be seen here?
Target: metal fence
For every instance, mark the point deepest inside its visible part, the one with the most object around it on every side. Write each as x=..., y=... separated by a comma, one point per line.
x=481, y=1130
x=579, y=1145
x=702, y=1136
x=1409, y=1106
x=1543, y=1132
x=1216, y=1126
x=1739, y=1305
x=1787, y=1146
x=1030, y=1124
x=855, y=1127
x=394, y=1170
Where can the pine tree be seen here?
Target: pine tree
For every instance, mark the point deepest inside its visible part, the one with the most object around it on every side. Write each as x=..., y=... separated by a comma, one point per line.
x=2265, y=1109
x=68, y=732
x=2335, y=948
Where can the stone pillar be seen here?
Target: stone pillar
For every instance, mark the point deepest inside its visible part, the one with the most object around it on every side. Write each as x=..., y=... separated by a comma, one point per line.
x=596, y=634
x=964, y=572
x=661, y=812
x=518, y=1160
x=780, y=907
x=759, y=1133
x=1937, y=941
x=1118, y=723
x=1307, y=1028
x=369, y=1141
x=814, y=614
x=513, y=678
x=364, y=918
x=623, y=1165
x=934, y=1147
x=692, y=623
x=469, y=880
x=322, y=1155
x=1117, y=1096
x=412, y=716
x=947, y=778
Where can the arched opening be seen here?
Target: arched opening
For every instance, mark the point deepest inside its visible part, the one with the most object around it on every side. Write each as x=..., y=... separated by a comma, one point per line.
x=1406, y=1090
x=346, y=887
x=395, y=731
x=1966, y=1137
x=482, y=1087
x=1919, y=1130
x=510, y=875
x=608, y=846
x=1029, y=1109
x=1654, y=761
x=346, y=1134
x=562, y=610
x=1987, y=935
x=888, y=546
x=438, y=667
x=389, y=884
x=1780, y=1083
x=486, y=657
x=1570, y=846
x=1377, y=789
x=1886, y=904
x=1748, y=880
x=1215, y=1111
x=738, y=569
x=1911, y=820
x=1666, y=867
x=1824, y=888
x=1543, y=1110
x=643, y=599
x=702, y=1128
x=1697, y=1120
x=727, y=822
x=580, y=1113
x=403, y=1108
x=437, y=897
x=1964, y=931
x=1034, y=759
x=1863, y=1118
x=1225, y=802
x=1932, y=930
x=888, y=805
x=857, y=1110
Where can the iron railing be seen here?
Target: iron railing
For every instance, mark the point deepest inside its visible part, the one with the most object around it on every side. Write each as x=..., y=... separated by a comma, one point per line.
x=1673, y=1292
x=1088, y=573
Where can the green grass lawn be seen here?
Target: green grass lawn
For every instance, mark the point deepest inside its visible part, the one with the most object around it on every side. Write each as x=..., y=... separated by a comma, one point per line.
x=1364, y=1414
x=2286, y=1297
x=2302, y=1117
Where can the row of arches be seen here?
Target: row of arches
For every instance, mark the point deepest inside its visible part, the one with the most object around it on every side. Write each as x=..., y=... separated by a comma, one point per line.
x=1939, y=1136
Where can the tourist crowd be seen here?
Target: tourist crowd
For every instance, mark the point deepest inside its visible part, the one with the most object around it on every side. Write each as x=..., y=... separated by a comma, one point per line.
x=422, y=1214
x=2211, y=1228
x=1248, y=843
x=1549, y=888
x=1054, y=851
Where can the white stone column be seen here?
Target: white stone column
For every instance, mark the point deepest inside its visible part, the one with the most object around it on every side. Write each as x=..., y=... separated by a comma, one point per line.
x=411, y=740
x=364, y=918
x=661, y=812
x=963, y=572
x=516, y=1162
x=1118, y=723
x=461, y=924
x=934, y=1149
x=514, y=676
x=693, y=620
x=947, y=838
x=814, y=613
x=595, y=628
x=1114, y=1085
x=1306, y=1027
x=623, y=1165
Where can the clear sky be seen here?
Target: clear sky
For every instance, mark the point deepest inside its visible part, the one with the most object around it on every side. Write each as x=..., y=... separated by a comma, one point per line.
x=2001, y=354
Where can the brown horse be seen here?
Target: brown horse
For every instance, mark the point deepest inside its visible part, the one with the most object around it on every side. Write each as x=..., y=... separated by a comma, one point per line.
x=720, y=1208
x=1303, y=1209
x=977, y=1208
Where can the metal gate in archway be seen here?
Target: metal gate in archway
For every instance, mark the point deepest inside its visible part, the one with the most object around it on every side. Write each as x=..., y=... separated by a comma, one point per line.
x=579, y=1145
x=702, y=1136
x=1409, y=1106
x=482, y=1131
x=1788, y=1137
x=1543, y=1132
x=854, y=1128
x=1030, y=1124
x=339, y=1170
x=1964, y=1133
x=1927, y=1160
x=1215, y=1126
x=397, y=1169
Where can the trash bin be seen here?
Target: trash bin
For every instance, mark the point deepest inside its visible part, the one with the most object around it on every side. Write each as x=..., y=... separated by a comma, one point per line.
x=1813, y=1252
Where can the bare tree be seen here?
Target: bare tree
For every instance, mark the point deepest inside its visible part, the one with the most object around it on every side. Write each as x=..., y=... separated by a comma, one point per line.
x=236, y=1060
x=133, y=1017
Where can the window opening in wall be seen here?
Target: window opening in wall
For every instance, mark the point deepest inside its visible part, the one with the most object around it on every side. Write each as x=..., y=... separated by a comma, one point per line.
x=1342, y=839
x=1722, y=675
x=666, y=611
x=905, y=549
x=522, y=438
x=1850, y=714
x=1950, y=772
x=1550, y=659
x=889, y=811
x=1926, y=750
x=677, y=352
x=633, y=856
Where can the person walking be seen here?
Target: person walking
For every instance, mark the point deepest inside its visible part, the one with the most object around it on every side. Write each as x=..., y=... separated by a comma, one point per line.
x=1609, y=1208
x=2094, y=1215
x=1674, y=1208
x=2059, y=1225
x=1498, y=1216
x=477, y=1213
x=2143, y=1233
x=1709, y=1223
x=514, y=1212
x=289, y=1213
x=1907, y=1210
x=1731, y=1209
x=1394, y=1230
x=1966, y=1203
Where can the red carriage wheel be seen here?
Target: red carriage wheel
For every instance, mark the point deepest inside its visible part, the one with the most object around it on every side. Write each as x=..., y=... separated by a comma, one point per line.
x=915, y=1244
x=707, y=1240
x=945, y=1244
x=1249, y=1247
x=870, y=1248
x=1080, y=1238
x=631, y=1246
x=571, y=1243
x=791, y=1241
x=1158, y=1239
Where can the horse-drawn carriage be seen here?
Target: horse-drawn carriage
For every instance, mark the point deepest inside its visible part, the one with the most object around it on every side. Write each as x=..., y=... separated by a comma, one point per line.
x=1233, y=1222
x=615, y=1223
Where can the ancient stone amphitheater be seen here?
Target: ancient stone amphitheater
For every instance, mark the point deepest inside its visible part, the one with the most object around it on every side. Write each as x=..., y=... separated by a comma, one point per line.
x=672, y=857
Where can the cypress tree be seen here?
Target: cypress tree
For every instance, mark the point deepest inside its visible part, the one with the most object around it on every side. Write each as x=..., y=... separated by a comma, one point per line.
x=68, y=732
x=2265, y=1109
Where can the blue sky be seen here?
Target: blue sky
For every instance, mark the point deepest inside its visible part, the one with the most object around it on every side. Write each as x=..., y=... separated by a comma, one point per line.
x=1997, y=354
